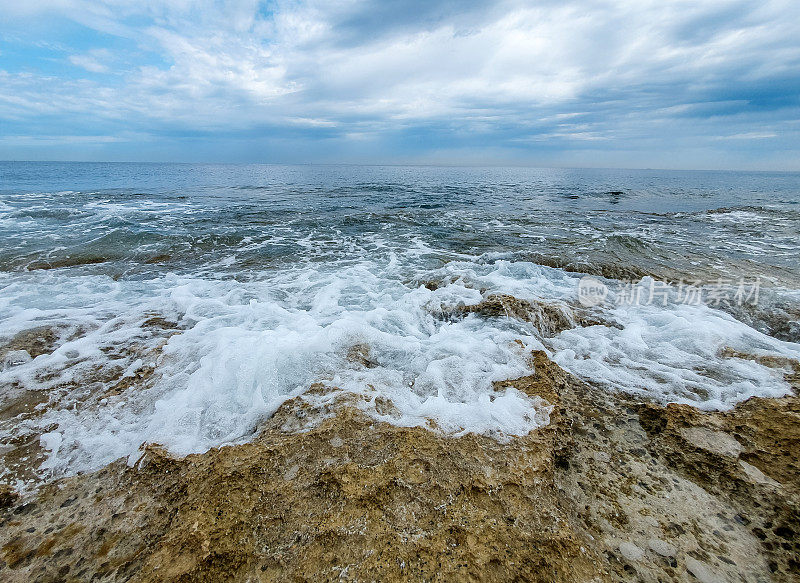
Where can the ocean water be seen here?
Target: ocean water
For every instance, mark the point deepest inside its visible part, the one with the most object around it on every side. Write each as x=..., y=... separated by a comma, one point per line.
x=183, y=303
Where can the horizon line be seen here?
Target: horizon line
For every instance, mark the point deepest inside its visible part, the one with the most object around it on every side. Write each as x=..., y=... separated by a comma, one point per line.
x=404, y=165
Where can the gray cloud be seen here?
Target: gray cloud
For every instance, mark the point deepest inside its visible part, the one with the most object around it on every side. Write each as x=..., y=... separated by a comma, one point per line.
x=420, y=79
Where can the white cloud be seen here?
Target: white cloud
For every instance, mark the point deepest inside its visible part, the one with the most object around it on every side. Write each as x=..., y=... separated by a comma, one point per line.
x=60, y=139
x=577, y=70
x=95, y=61
x=750, y=136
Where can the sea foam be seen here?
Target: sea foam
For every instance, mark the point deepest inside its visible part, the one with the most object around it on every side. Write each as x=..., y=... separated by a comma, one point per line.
x=241, y=348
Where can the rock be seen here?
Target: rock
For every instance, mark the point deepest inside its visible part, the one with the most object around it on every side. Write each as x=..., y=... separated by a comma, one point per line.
x=756, y=475
x=14, y=358
x=602, y=457
x=548, y=318
x=717, y=442
x=702, y=571
x=661, y=547
x=359, y=354
x=34, y=342
x=608, y=482
x=630, y=551
x=405, y=503
x=8, y=497
x=291, y=473
x=57, y=263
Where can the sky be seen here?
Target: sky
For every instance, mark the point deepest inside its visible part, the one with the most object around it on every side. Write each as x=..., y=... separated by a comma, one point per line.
x=595, y=83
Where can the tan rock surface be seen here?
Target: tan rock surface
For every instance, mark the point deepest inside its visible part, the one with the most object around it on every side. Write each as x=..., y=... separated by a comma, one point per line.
x=610, y=490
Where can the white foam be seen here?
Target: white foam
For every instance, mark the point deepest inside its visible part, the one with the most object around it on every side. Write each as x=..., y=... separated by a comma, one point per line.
x=247, y=346
x=673, y=353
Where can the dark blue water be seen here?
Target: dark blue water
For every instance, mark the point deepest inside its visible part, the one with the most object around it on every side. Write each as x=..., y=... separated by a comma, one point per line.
x=124, y=219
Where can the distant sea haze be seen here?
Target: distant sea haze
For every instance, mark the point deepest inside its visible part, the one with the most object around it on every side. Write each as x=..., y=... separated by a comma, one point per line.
x=231, y=288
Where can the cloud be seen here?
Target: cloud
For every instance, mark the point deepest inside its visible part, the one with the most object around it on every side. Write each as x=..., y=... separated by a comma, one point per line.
x=59, y=140
x=93, y=61
x=417, y=77
x=750, y=136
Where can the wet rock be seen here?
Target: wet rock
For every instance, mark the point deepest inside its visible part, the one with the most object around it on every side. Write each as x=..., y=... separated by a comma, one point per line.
x=157, y=259
x=549, y=318
x=159, y=322
x=348, y=498
x=60, y=262
x=609, y=490
x=14, y=358
x=8, y=497
x=34, y=342
x=23, y=403
x=361, y=355
x=621, y=270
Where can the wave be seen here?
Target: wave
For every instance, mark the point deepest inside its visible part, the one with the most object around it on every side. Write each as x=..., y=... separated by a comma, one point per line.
x=194, y=363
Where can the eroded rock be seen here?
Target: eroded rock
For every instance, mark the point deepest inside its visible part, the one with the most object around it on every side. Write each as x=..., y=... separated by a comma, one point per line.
x=715, y=442
x=761, y=483
x=549, y=318
x=350, y=499
x=609, y=490
x=33, y=342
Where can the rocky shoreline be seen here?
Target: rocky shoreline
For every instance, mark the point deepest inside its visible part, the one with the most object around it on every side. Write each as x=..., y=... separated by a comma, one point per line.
x=612, y=489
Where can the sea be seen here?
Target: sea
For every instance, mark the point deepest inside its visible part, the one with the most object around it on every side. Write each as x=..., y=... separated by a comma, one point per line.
x=182, y=304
